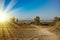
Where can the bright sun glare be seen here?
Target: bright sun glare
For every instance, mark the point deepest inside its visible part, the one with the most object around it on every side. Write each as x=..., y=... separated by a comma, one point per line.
x=5, y=12
x=3, y=17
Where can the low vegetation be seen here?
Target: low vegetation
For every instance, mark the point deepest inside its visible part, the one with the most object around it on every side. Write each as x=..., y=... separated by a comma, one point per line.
x=47, y=23
x=57, y=26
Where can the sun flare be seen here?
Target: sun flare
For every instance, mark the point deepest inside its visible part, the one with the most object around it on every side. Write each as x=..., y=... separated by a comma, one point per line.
x=4, y=17
x=6, y=12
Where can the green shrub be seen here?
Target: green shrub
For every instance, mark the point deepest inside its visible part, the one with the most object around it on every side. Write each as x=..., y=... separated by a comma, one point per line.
x=47, y=23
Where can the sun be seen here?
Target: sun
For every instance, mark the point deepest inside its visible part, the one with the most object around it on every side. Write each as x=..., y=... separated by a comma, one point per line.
x=4, y=17
x=7, y=11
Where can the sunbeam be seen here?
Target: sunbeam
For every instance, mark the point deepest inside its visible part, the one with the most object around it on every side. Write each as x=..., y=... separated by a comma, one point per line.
x=2, y=5
x=11, y=4
x=4, y=13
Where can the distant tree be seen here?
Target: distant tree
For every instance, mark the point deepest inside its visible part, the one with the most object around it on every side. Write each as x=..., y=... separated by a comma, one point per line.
x=37, y=20
x=17, y=20
x=12, y=19
x=56, y=19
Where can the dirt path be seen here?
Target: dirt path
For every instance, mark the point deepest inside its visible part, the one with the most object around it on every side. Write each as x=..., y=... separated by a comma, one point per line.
x=15, y=32
x=46, y=35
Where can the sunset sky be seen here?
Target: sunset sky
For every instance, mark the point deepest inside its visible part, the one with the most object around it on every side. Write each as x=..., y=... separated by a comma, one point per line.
x=28, y=9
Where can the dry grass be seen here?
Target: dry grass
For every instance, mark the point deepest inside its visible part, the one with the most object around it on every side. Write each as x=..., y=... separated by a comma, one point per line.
x=57, y=26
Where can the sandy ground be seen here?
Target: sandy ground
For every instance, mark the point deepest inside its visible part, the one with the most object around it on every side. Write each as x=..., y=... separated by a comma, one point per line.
x=16, y=32
x=48, y=35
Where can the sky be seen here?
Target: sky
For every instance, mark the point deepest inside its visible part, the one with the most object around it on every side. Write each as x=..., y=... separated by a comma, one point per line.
x=29, y=9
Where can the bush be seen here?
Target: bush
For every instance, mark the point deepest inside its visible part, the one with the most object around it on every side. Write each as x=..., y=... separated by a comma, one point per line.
x=47, y=23
x=57, y=26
